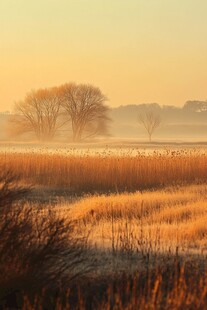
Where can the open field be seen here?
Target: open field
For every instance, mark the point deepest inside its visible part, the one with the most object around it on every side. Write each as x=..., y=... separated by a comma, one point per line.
x=102, y=147
x=161, y=221
x=142, y=218
x=148, y=248
x=107, y=172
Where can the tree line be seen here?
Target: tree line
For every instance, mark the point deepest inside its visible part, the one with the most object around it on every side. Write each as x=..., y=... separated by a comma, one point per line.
x=76, y=108
x=81, y=108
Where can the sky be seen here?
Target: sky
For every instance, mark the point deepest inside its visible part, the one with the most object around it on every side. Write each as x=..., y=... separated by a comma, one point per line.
x=136, y=51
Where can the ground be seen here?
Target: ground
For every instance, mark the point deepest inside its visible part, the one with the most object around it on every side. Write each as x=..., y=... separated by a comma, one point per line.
x=141, y=209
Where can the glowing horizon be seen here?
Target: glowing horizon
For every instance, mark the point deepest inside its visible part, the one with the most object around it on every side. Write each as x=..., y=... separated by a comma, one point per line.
x=136, y=51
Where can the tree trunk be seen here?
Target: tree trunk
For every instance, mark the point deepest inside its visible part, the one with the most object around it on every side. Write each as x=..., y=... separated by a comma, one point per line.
x=77, y=134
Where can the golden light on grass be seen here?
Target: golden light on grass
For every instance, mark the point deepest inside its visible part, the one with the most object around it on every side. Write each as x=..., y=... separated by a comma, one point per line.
x=91, y=173
x=174, y=218
x=143, y=218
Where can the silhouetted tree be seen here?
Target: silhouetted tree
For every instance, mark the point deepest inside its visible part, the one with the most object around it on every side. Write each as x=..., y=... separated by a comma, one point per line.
x=150, y=120
x=38, y=113
x=85, y=106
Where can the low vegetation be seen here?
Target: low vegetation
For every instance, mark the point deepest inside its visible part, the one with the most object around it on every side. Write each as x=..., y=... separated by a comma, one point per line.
x=135, y=232
x=38, y=248
x=150, y=249
x=106, y=172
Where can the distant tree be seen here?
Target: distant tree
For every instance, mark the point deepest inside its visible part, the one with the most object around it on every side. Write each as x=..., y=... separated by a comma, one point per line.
x=195, y=106
x=38, y=113
x=150, y=120
x=86, y=109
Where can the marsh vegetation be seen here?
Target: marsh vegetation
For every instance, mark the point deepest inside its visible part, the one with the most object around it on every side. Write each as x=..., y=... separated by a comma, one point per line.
x=130, y=227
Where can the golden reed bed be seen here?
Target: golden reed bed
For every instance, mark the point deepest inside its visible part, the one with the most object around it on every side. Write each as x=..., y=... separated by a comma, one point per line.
x=173, y=219
x=108, y=173
x=149, y=246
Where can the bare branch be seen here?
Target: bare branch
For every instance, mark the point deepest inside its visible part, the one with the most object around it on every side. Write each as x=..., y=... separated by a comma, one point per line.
x=85, y=106
x=39, y=114
x=150, y=120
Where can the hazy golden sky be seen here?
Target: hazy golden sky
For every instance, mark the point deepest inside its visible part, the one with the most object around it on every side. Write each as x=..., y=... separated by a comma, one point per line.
x=134, y=50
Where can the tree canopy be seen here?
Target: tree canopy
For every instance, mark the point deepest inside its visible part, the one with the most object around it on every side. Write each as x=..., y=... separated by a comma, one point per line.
x=80, y=107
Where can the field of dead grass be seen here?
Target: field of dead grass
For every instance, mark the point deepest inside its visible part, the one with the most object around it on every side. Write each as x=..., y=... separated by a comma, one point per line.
x=109, y=173
x=150, y=248
x=168, y=220
x=144, y=218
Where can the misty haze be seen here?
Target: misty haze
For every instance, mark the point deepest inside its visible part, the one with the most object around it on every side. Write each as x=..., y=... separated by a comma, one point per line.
x=178, y=124
x=103, y=155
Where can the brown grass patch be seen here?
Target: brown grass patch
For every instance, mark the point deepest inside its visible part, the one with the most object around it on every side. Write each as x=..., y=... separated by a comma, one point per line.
x=110, y=173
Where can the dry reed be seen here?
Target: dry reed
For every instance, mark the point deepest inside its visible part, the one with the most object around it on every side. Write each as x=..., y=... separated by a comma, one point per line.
x=108, y=173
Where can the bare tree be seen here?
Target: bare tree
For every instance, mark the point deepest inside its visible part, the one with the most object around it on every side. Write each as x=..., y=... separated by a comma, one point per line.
x=151, y=121
x=39, y=113
x=86, y=109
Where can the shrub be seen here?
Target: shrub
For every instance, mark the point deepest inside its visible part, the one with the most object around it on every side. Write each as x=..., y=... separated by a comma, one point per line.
x=37, y=246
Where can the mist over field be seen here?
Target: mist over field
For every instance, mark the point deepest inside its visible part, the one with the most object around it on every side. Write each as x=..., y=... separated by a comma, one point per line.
x=101, y=199
x=178, y=124
x=188, y=123
x=121, y=213
x=103, y=155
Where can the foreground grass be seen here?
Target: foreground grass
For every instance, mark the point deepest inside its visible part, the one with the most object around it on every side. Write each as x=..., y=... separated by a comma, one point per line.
x=174, y=287
x=147, y=246
x=169, y=220
x=108, y=173
x=150, y=249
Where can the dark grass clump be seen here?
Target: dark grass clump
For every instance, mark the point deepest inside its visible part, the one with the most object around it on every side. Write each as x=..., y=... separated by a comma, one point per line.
x=38, y=250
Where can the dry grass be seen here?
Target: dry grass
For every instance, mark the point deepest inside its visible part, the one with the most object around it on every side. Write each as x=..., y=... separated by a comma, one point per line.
x=108, y=173
x=38, y=248
x=153, y=228
x=158, y=221
x=172, y=288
